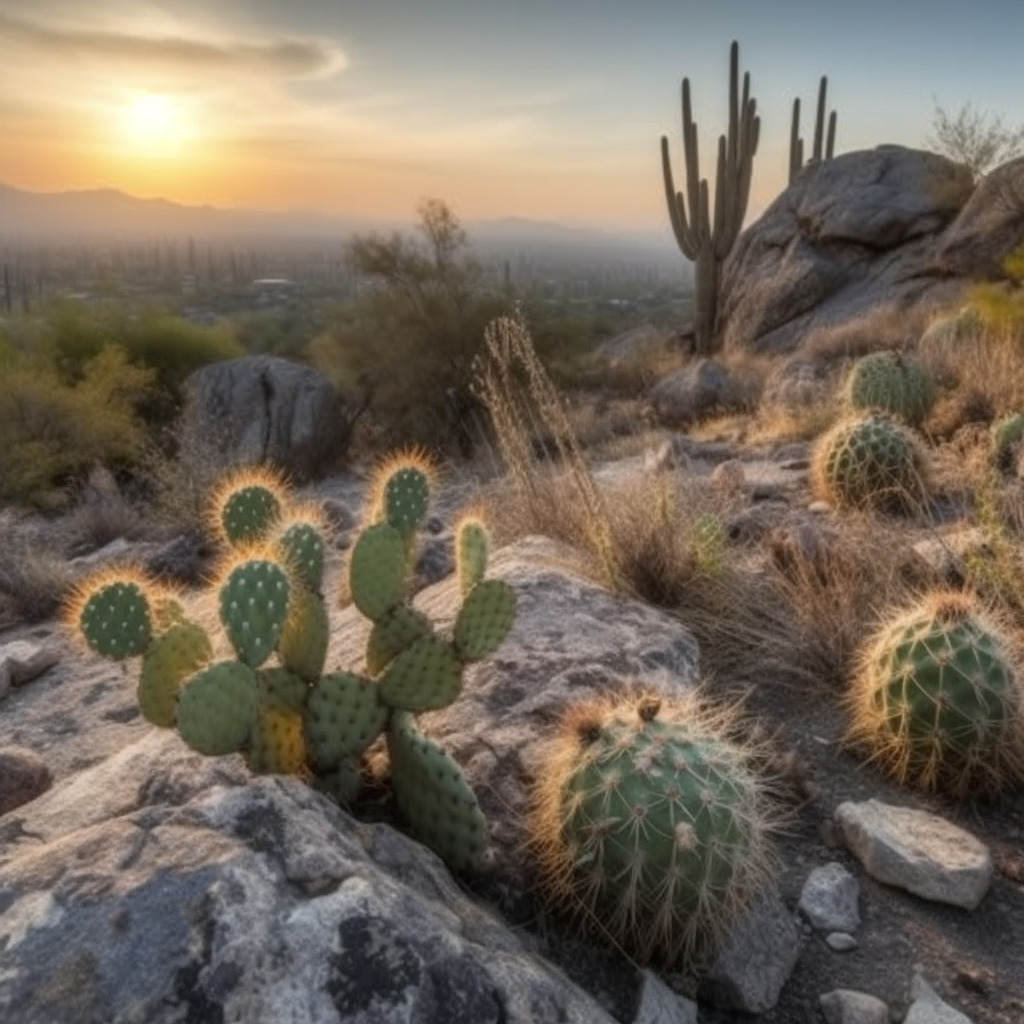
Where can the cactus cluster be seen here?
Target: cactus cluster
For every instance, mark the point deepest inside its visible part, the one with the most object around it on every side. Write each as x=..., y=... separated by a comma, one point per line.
x=892, y=382
x=870, y=462
x=649, y=820
x=272, y=701
x=1006, y=438
x=937, y=700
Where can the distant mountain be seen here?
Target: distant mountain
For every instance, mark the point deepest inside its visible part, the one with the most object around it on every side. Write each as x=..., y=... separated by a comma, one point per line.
x=107, y=215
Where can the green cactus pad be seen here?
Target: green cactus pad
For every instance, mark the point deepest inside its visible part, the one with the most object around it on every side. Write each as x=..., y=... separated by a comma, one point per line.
x=426, y=676
x=249, y=514
x=406, y=498
x=484, y=619
x=253, y=608
x=378, y=570
x=895, y=383
x=115, y=620
x=472, y=547
x=277, y=744
x=433, y=794
x=302, y=548
x=939, y=701
x=217, y=708
x=870, y=462
x=166, y=612
x=394, y=633
x=170, y=659
x=280, y=688
x=344, y=715
x=302, y=645
x=341, y=783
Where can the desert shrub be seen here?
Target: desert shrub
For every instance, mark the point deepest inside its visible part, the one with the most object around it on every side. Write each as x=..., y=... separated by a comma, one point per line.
x=34, y=581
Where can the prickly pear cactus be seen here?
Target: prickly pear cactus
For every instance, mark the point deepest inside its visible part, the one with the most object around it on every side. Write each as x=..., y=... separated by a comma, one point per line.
x=938, y=700
x=472, y=549
x=275, y=704
x=895, y=383
x=650, y=821
x=1007, y=435
x=870, y=462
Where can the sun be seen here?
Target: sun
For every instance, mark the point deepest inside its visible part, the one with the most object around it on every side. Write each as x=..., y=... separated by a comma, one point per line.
x=154, y=123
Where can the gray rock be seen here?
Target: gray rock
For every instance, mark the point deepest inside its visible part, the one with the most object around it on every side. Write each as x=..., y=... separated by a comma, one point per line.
x=848, y=235
x=635, y=344
x=191, y=899
x=829, y=899
x=22, y=661
x=703, y=388
x=263, y=409
x=843, y=1006
x=435, y=562
x=660, y=1005
x=917, y=851
x=185, y=559
x=338, y=515
x=840, y=942
x=729, y=475
x=756, y=960
x=928, y=1008
x=24, y=776
x=667, y=457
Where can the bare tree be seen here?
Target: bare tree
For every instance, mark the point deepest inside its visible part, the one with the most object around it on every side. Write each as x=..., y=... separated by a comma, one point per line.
x=974, y=137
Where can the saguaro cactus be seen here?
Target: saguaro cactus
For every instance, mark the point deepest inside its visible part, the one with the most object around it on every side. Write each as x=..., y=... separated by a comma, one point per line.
x=698, y=240
x=796, y=144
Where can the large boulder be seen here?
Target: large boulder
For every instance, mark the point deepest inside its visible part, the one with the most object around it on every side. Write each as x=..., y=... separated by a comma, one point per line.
x=702, y=389
x=849, y=234
x=263, y=409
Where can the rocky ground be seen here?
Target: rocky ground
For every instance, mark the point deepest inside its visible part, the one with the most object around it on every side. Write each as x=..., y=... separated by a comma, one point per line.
x=274, y=905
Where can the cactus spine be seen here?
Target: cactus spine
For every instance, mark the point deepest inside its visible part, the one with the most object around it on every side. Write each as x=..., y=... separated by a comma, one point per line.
x=796, y=144
x=892, y=382
x=698, y=239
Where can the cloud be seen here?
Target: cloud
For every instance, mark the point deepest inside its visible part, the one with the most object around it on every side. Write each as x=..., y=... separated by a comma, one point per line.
x=284, y=57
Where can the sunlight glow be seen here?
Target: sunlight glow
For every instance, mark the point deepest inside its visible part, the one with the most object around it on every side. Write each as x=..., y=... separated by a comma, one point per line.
x=153, y=123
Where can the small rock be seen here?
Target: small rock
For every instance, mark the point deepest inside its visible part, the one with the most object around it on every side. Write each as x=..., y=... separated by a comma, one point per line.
x=667, y=457
x=24, y=775
x=756, y=961
x=21, y=662
x=844, y=1006
x=185, y=559
x=819, y=508
x=660, y=1005
x=917, y=851
x=928, y=1008
x=338, y=515
x=829, y=899
x=729, y=475
x=840, y=942
x=112, y=552
x=435, y=563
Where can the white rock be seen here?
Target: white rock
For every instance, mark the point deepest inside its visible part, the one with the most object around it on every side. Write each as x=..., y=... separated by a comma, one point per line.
x=21, y=662
x=829, y=899
x=917, y=851
x=844, y=1006
x=660, y=1005
x=928, y=1008
x=840, y=942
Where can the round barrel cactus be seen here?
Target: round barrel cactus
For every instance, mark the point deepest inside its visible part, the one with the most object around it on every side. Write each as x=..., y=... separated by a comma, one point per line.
x=649, y=820
x=938, y=699
x=870, y=462
x=892, y=382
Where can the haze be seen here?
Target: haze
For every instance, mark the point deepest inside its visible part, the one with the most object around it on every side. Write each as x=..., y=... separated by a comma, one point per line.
x=528, y=108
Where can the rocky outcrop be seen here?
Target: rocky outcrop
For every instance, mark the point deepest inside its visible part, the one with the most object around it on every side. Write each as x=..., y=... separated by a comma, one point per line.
x=263, y=409
x=850, y=234
x=703, y=388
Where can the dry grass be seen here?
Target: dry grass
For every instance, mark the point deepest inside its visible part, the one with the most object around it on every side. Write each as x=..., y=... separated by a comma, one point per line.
x=34, y=581
x=884, y=327
x=103, y=518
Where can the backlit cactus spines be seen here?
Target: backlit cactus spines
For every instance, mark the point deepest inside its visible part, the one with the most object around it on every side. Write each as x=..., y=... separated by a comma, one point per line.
x=649, y=820
x=394, y=633
x=426, y=676
x=344, y=715
x=434, y=796
x=217, y=708
x=247, y=504
x=113, y=615
x=870, y=462
x=484, y=619
x=170, y=659
x=253, y=608
x=302, y=645
x=378, y=571
x=472, y=548
x=400, y=492
x=300, y=544
x=938, y=699
x=1007, y=435
x=892, y=382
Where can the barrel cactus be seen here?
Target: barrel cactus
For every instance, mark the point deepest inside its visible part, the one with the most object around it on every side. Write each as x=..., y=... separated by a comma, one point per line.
x=650, y=821
x=1006, y=438
x=870, y=462
x=272, y=701
x=892, y=382
x=938, y=699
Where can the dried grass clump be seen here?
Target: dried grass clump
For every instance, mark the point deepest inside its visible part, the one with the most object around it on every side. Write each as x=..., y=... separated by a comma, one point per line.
x=885, y=327
x=34, y=582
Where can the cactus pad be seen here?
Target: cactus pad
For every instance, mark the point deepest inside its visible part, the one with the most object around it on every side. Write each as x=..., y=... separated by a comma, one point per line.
x=302, y=645
x=248, y=514
x=426, y=676
x=277, y=744
x=484, y=619
x=344, y=716
x=217, y=708
x=394, y=633
x=115, y=620
x=170, y=659
x=302, y=549
x=434, y=796
x=892, y=382
x=253, y=608
x=472, y=547
x=342, y=783
x=378, y=570
x=938, y=700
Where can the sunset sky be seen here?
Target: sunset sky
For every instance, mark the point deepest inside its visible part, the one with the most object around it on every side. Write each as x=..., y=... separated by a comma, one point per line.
x=538, y=108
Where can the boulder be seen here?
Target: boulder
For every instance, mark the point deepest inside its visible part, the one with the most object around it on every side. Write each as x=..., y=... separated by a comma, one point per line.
x=702, y=389
x=24, y=776
x=829, y=899
x=848, y=235
x=263, y=409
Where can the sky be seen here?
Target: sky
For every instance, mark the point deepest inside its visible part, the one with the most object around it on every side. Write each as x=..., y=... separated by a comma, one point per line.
x=546, y=109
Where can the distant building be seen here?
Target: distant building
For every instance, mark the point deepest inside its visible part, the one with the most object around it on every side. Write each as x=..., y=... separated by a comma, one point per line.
x=272, y=290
